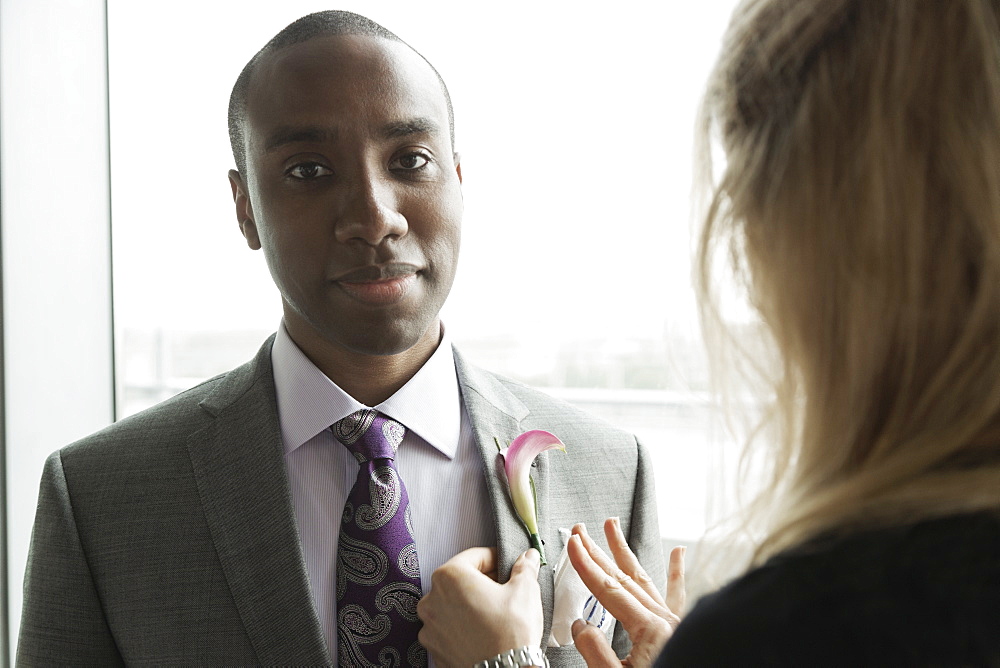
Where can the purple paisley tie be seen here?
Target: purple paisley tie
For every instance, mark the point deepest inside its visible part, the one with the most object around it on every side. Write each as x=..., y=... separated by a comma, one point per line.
x=378, y=575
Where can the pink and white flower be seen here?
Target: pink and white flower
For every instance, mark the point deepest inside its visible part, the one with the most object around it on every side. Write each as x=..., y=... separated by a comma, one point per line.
x=517, y=464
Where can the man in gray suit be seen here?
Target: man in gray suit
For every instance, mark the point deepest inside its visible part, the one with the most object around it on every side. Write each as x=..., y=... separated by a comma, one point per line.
x=202, y=531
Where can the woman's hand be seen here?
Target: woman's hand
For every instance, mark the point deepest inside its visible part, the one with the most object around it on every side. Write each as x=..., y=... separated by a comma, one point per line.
x=628, y=593
x=469, y=617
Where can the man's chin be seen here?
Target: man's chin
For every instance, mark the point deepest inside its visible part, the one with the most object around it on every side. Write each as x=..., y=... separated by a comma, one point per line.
x=376, y=333
x=389, y=341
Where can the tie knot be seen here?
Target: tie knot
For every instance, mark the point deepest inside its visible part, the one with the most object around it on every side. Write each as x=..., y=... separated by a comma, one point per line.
x=369, y=435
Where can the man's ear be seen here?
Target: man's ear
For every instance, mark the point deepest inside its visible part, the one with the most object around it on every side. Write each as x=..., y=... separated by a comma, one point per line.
x=244, y=210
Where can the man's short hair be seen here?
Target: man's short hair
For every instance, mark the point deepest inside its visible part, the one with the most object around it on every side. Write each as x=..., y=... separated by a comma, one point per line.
x=331, y=22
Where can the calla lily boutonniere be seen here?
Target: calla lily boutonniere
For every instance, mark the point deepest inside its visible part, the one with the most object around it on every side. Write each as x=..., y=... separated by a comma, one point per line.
x=517, y=464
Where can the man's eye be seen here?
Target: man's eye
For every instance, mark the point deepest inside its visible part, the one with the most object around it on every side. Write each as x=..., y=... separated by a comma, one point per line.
x=410, y=162
x=308, y=170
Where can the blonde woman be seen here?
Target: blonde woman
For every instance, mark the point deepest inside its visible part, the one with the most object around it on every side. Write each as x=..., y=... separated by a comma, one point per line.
x=860, y=203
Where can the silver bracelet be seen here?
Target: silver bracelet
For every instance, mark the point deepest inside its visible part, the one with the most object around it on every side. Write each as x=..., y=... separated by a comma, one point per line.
x=524, y=656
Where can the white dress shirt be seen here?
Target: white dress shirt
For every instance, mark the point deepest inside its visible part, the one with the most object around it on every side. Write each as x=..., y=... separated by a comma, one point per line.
x=438, y=461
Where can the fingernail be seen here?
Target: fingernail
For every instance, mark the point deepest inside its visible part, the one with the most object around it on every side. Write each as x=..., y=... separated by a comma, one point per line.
x=533, y=556
x=578, y=626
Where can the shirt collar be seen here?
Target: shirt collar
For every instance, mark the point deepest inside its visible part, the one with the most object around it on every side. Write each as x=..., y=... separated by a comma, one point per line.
x=429, y=405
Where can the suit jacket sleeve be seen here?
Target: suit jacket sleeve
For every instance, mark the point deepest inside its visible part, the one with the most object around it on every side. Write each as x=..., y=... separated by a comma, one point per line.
x=643, y=536
x=62, y=621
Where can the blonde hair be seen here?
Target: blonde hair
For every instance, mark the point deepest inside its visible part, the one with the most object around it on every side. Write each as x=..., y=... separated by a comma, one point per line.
x=860, y=204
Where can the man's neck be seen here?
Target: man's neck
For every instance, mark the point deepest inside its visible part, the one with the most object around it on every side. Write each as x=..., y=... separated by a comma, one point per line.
x=370, y=379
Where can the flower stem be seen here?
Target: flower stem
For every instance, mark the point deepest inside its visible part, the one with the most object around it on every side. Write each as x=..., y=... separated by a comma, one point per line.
x=536, y=543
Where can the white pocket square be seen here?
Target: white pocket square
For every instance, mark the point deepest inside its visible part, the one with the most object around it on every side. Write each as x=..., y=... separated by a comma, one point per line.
x=572, y=601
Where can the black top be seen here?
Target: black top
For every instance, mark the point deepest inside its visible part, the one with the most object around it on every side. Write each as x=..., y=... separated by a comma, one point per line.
x=921, y=595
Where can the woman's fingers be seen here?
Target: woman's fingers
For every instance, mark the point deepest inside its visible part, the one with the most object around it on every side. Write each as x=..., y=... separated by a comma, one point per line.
x=466, y=615
x=612, y=570
x=622, y=587
x=627, y=561
x=482, y=559
x=524, y=573
x=616, y=599
x=676, y=589
x=593, y=646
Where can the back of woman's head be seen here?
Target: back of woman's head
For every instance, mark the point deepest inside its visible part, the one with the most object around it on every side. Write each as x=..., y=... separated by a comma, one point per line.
x=861, y=200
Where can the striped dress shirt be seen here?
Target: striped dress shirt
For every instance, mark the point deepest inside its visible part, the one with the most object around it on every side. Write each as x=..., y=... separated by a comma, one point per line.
x=438, y=462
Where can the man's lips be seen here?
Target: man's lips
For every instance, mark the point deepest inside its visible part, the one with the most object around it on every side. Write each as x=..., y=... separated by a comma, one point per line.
x=376, y=272
x=378, y=285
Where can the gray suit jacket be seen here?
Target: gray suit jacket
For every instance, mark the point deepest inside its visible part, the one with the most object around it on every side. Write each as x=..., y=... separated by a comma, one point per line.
x=169, y=537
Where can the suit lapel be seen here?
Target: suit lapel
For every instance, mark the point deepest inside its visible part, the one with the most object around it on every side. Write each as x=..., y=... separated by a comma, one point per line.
x=240, y=472
x=496, y=415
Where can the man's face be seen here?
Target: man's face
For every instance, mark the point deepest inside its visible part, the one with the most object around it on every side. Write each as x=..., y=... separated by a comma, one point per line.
x=352, y=190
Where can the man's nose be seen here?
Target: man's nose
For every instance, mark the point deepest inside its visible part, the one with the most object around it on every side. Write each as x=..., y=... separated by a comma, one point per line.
x=372, y=213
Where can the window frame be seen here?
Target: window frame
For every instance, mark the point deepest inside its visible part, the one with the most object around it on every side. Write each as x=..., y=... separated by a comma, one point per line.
x=55, y=254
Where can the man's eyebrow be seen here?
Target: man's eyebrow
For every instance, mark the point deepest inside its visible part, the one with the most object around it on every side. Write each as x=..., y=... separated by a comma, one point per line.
x=314, y=134
x=413, y=126
x=295, y=134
